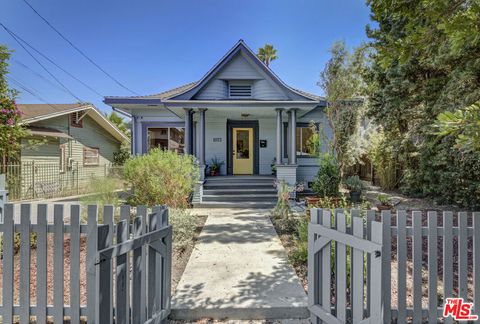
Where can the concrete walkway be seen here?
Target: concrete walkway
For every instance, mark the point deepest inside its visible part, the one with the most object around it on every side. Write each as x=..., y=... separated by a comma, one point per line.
x=239, y=270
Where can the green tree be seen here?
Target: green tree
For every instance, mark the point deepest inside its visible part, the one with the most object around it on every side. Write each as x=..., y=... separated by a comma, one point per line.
x=343, y=84
x=426, y=63
x=267, y=54
x=11, y=132
x=463, y=124
x=119, y=122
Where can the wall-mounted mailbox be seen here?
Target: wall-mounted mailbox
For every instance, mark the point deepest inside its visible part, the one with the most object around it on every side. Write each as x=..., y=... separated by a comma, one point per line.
x=263, y=143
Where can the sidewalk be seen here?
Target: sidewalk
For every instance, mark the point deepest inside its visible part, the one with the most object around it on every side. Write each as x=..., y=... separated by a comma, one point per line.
x=239, y=270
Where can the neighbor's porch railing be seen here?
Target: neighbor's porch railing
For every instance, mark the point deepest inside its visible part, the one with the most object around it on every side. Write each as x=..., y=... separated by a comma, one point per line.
x=32, y=180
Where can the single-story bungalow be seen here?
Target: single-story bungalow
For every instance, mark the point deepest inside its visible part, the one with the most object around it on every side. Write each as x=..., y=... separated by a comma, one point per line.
x=241, y=113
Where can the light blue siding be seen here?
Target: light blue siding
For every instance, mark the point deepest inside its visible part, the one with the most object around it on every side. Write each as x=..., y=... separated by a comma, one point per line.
x=241, y=68
x=215, y=89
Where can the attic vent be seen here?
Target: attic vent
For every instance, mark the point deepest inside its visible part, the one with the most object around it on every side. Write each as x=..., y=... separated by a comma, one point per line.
x=240, y=90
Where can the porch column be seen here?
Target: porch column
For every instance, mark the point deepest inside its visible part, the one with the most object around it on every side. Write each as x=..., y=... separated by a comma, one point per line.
x=188, y=131
x=292, y=156
x=201, y=145
x=279, y=136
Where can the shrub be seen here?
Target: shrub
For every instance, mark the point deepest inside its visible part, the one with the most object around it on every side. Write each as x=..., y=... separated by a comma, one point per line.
x=327, y=182
x=184, y=224
x=161, y=177
x=354, y=183
x=105, y=193
x=300, y=252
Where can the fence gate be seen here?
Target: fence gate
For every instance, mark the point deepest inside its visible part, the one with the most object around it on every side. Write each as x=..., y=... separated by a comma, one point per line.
x=150, y=253
x=344, y=260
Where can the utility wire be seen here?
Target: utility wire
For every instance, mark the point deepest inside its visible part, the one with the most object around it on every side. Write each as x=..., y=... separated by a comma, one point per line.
x=25, y=88
x=58, y=66
x=40, y=63
x=41, y=76
x=79, y=50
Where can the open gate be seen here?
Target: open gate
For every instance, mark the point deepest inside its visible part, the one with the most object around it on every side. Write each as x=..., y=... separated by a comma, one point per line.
x=143, y=294
x=344, y=261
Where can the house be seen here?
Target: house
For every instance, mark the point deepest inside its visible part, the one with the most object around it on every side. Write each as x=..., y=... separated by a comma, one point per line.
x=67, y=144
x=240, y=112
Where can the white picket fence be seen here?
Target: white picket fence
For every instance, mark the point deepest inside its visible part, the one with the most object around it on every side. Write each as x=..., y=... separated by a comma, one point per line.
x=142, y=239
x=349, y=252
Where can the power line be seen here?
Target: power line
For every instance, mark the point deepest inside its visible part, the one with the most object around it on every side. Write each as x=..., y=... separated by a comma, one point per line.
x=79, y=50
x=41, y=76
x=40, y=63
x=58, y=66
x=25, y=88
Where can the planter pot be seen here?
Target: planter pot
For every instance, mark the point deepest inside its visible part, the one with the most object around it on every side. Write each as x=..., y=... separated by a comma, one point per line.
x=355, y=196
x=312, y=201
x=384, y=207
x=213, y=173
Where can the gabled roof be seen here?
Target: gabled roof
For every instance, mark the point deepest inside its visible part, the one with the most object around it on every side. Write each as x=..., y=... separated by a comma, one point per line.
x=243, y=48
x=37, y=112
x=187, y=91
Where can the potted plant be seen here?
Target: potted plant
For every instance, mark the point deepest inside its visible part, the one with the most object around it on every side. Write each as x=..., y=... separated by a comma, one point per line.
x=215, y=165
x=355, y=186
x=327, y=182
x=385, y=202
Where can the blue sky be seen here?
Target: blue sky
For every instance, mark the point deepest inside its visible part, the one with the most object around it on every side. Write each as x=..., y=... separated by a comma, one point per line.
x=152, y=45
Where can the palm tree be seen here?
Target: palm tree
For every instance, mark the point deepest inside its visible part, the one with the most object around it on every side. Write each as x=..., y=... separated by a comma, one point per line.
x=118, y=121
x=267, y=54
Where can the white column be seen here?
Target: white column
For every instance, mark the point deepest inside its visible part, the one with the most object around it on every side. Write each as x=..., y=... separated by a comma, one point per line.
x=279, y=136
x=188, y=131
x=201, y=128
x=292, y=157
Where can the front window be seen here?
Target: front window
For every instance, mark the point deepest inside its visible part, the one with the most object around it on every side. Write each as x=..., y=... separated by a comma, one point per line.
x=167, y=138
x=307, y=140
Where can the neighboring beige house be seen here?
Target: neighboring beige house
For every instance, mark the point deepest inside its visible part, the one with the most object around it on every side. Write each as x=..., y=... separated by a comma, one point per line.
x=68, y=144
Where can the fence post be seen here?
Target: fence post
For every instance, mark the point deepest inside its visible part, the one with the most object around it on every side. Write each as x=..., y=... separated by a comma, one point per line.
x=386, y=263
x=314, y=266
x=33, y=179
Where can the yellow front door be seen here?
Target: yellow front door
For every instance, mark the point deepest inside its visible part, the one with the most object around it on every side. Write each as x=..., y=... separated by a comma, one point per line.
x=242, y=151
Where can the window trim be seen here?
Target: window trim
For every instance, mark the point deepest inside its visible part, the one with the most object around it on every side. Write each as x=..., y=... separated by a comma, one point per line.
x=147, y=126
x=285, y=139
x=91, y=148
x=63, y=157
x=168, y=128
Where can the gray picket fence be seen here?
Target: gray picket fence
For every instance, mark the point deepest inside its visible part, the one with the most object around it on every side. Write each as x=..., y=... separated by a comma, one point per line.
x=346, y=244
x=138, y=247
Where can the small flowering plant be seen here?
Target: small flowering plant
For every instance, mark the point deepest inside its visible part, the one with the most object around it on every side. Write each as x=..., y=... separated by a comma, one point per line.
x=11, y=131
x=10, y=113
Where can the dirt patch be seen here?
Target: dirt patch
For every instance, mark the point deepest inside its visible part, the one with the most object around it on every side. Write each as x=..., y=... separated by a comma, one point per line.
x=180, y=258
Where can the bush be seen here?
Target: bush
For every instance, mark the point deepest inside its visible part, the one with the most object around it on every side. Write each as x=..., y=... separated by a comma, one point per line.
x=161, y=177
x=184, y=224
x=327, y=182
x=300, y=252
x=105, y=193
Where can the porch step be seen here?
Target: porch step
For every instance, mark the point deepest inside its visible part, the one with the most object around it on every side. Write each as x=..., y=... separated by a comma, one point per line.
x=242, y=190
x=241, y=198
x=244, y=204
x=238, y=192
